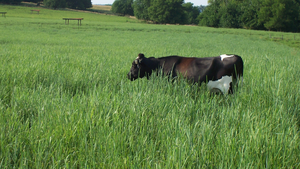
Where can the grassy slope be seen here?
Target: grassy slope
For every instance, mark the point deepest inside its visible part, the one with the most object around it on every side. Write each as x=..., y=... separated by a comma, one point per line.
x=65, y=100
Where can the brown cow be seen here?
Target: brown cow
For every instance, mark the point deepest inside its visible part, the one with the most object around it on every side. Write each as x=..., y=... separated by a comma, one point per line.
x=218, y=72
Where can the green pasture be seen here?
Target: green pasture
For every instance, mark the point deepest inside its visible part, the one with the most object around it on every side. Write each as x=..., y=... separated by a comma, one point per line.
x=65, y=100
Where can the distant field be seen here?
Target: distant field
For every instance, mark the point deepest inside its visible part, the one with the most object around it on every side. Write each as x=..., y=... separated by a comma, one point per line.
x=101, y=7
x=65, y=100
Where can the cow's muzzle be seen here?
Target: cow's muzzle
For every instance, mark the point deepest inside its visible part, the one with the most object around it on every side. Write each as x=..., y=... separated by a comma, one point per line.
x=130, y=77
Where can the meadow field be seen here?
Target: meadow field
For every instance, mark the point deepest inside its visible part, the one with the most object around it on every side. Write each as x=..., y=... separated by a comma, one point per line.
x=65, y=100
x=102, y=7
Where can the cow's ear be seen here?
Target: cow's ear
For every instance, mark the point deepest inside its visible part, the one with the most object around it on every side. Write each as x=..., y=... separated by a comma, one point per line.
x=141, y=56
x=139, y=59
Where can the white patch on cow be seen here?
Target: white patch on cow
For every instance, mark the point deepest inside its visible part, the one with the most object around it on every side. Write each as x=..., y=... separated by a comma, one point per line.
x=222, y=84
x=225, y=56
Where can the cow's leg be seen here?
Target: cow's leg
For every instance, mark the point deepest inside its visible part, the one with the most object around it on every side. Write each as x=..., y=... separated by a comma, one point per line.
x=237, y=81
x=215, y=91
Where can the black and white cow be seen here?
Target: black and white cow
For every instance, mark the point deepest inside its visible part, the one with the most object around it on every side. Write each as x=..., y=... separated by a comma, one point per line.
x=221, y=73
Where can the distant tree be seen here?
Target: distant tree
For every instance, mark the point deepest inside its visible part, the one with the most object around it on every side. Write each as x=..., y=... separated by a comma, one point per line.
x=55, y=3
x=249, y=15
x=280, y=15
x=229, y=15
x=140, y=8
x=123, y=7
x=78, y=4
x=35, y=1
x=201, y=8
x=210, y=16
x=191, y=13
x=14, y=2
x=74, y=4
x=166, y=11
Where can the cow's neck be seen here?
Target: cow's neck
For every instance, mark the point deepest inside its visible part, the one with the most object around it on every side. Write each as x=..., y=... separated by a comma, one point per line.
x=154, y=63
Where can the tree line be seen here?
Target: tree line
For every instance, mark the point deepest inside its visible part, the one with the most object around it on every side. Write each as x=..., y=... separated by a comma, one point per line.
x=276, y=15
x=159, y=11
x=73, y=4
x=14, y=2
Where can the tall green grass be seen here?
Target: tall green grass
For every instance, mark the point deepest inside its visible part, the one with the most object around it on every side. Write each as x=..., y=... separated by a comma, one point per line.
x=65, y=100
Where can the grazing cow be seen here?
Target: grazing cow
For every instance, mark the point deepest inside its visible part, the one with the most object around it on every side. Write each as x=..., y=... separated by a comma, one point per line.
x=221, y=73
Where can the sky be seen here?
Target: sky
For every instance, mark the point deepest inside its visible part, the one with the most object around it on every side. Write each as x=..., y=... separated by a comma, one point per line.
x=195, y=2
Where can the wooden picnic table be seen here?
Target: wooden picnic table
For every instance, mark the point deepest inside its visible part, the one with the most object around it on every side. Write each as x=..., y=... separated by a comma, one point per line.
x=36, y=10
x=3, y=14
x=67, y=20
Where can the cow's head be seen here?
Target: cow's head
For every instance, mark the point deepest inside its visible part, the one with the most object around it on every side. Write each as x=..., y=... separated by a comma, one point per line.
x=140, y=68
